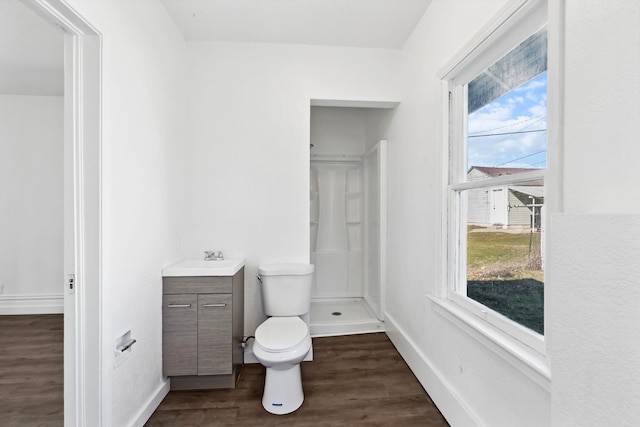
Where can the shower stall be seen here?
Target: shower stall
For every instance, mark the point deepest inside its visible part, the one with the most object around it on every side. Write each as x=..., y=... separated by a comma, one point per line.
x=348, y=219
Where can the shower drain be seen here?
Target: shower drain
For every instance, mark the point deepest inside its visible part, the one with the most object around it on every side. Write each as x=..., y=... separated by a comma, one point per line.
x=336, y=313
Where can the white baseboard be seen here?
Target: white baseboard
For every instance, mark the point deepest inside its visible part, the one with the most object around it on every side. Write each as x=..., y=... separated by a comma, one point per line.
x=450, y=404
x=151, y=404
x=32, y=304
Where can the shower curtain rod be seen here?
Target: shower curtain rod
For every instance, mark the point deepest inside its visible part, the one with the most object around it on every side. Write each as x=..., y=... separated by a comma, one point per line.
x=341, y=159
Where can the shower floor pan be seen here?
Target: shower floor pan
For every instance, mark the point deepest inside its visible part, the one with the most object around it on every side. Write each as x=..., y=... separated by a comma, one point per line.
x=342, y=316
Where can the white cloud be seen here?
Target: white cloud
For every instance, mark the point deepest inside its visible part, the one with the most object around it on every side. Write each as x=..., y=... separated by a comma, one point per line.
x=522, y=110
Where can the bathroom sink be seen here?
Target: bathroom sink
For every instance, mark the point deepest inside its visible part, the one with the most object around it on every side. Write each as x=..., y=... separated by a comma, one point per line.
x=200, y=267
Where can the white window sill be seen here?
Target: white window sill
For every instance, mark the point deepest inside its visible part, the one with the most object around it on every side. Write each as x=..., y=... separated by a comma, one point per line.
x=522, y=357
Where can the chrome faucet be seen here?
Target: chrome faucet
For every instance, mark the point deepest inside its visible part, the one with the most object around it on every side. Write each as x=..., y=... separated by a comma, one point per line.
x=213, y=256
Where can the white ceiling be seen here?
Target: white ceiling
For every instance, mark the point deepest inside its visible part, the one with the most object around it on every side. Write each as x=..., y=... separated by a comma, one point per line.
x=32, y=49
x=357, y=23
x=31, y=52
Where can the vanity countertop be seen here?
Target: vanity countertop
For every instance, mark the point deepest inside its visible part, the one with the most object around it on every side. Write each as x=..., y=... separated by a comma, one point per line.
x=200, y=267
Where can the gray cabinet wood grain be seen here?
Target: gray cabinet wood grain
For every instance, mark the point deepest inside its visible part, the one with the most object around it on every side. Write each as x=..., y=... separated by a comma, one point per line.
x=202, y=331
x=214, y=334
x=180, y=334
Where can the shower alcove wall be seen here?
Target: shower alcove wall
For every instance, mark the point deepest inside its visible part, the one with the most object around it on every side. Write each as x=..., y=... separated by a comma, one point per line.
x=348, y=218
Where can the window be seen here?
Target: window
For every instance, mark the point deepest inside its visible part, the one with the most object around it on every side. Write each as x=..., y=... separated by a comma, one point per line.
x=497, y=161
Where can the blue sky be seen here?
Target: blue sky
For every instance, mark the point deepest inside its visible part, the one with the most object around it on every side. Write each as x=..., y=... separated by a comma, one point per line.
x=523, y=110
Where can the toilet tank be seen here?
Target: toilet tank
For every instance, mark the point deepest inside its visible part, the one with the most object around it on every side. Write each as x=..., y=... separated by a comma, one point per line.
x=286, y=288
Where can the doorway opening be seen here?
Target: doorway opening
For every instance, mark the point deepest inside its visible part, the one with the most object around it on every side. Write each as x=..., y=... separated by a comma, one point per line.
x=348, y=217
x=31, y=212
x=84, y=387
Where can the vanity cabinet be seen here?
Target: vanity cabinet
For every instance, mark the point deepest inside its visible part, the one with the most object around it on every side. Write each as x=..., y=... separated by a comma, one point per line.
x=202, y=330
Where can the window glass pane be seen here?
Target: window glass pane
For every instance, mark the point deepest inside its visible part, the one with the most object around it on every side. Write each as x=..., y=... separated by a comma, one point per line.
x=526, y=61
x=504, y=259
x=507, y=110
x=506, y=136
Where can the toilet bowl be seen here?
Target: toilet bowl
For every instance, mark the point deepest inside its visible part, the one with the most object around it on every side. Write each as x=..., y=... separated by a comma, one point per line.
x=282, y=341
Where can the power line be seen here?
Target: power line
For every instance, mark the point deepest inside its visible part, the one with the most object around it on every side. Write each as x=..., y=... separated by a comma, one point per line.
x=519, y=158
x=520, y=122
x=507, y=133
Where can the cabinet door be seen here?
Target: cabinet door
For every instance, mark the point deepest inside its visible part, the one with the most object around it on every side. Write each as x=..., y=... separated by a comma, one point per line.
x=180, y=334
x=214, y=334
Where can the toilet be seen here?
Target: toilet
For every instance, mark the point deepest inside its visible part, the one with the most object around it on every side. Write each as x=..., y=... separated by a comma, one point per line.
x=282, y=341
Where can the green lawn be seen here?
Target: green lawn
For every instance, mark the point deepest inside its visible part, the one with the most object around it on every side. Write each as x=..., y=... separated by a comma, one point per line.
x=504, y=273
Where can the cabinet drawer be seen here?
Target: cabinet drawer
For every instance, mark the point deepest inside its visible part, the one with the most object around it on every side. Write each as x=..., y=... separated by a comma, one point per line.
x=197, y=285
x=214, y=334
x=179, y=334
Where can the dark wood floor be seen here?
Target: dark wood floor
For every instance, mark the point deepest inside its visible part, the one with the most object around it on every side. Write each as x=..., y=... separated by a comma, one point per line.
x=357, y=380
x=31, y=370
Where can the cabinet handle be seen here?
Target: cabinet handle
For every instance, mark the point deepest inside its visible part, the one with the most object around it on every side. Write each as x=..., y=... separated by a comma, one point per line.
x=215, y=305
x=178, y=305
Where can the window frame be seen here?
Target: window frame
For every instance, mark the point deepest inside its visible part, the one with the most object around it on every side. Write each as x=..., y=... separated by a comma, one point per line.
x=511, y=26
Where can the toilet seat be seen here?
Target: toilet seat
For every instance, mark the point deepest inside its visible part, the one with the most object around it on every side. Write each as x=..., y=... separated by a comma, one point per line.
x=281, y=334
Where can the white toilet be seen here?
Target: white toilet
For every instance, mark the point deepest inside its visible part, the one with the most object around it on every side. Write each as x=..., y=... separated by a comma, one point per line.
x=283, y=340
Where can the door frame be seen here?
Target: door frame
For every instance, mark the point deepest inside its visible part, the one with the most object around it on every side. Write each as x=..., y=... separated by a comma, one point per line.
x=380, y=152
x=85, y=387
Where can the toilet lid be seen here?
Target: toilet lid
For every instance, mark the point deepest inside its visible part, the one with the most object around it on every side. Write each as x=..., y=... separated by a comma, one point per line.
x=279, y=334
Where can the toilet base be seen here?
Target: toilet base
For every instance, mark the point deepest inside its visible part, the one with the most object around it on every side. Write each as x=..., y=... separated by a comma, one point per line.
x=283, y=390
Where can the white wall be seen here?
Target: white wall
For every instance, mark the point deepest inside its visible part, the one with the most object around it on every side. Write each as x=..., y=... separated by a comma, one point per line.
x=143, y=127
x=247, y=176
x=32, y=52
x=470, y=382
x=338, y=131
x=377, y=125
x=232, y=175
x=348, y=131
x=593, y=269
x=602, y=90
x=31, y=212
